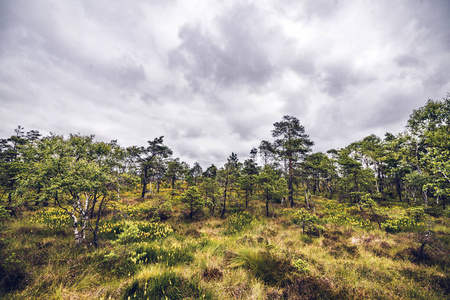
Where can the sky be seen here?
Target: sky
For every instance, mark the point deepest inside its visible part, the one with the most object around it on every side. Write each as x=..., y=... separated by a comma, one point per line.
x=213, y=77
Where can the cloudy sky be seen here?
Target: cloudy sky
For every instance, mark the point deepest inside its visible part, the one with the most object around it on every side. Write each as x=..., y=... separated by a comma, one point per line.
x=213, y=77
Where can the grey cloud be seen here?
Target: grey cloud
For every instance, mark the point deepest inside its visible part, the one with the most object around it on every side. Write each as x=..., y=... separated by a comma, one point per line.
x=389, y=109
x=438, y=79
x=303, y=66
x=407, y=60
x=322, y=8
x=336, y=79
x=239, y=55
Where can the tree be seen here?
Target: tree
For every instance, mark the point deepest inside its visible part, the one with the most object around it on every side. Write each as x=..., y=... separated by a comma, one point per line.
x=196, y=171
x=145, y=158
x=78, y=173
x=228, y=177
x=248, y=179
x=271, y=186
x=11, y=164
x=355, y=180
x=291, y=145
x=193, y=199
x=175, y=170
x=210, y=187
x=316, y=170
x=431, y=125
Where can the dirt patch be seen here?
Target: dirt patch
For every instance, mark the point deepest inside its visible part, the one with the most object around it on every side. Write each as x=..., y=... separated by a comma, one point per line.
x=212, y=274
x=309, y=288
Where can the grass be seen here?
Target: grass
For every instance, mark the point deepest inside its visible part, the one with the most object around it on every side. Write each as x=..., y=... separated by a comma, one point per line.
x=340, y=254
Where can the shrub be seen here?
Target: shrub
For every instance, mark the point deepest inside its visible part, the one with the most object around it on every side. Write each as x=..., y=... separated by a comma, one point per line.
x=153, y=231
x=417, y=213
x=301, y=266
x=52, y=217
x=403, y=224
x=168, y=285
x=135, y=231
x=240, y=221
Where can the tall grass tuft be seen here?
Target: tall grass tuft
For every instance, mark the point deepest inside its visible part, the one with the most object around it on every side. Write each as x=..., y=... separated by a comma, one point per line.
x=167, y=285
x=171, y=255
x=265, y=265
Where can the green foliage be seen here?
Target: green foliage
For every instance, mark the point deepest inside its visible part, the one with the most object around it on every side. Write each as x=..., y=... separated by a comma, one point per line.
x=301, y=266
x=53, y=217
x=402, y=224
x=341, y=214
x=305, y=219
x=134, y=231
x=193, y=200
x=239, y=222
x=13, y=273
x=4, y=213
x=167, y=285
x=129, y=234
x=416, y=212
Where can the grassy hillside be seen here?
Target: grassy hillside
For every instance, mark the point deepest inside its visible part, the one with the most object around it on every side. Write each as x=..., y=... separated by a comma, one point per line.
x=150, y=249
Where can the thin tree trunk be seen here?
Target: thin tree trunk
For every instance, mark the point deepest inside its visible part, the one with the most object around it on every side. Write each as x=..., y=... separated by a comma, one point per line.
x=144, y=183
x=224, y=198
x=290, y=184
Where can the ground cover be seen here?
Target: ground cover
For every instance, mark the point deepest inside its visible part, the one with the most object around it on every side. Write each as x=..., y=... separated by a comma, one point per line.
x=152, y=249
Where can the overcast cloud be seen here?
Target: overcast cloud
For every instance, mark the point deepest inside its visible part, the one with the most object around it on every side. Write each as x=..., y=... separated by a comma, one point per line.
x=213, y=77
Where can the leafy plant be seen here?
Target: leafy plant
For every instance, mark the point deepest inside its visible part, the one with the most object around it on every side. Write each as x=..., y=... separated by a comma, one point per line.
x=416, y=212
x=240, y=221
x=301, y=266
x=305, y=219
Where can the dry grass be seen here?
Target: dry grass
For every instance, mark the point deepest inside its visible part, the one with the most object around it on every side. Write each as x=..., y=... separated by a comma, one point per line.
x=256, y=262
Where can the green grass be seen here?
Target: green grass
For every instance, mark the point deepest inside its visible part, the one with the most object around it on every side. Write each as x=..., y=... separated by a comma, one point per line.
x=244, y=256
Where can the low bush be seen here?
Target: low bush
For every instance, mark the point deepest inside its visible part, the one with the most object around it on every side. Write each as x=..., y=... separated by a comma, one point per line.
x=134, y=231
x=301, y=266
x=53, y=217
x=403, y=224
x=239, y=222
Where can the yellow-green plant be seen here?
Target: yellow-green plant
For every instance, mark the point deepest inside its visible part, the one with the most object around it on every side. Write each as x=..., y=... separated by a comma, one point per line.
x=301, y=266
x=53, y=217
x=239, y=221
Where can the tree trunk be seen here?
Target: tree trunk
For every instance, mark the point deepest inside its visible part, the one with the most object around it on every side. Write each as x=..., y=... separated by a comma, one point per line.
x=306, y=198
x=290, y=183
x=246, y=199
x=425, y=198
x=144, y=183
x=224, y=198
x=99, y=213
